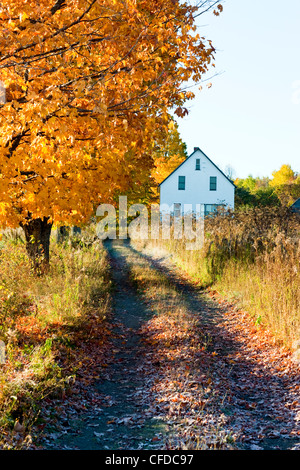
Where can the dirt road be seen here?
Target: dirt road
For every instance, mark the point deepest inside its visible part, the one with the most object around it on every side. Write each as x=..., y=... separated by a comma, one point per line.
x=187, y=371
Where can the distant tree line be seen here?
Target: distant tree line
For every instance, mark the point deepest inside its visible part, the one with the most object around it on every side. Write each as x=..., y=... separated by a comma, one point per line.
x=283, y=189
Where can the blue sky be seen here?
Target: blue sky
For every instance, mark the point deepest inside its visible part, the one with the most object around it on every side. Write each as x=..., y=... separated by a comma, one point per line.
x=250, y=117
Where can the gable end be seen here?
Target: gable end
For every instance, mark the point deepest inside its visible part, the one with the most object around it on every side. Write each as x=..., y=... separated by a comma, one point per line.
x=196, y=150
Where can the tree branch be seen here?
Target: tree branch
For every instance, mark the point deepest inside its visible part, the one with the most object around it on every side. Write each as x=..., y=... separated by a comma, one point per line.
x=58, y=6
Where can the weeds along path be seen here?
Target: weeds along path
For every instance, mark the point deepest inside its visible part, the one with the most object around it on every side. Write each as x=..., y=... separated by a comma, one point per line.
x=184, y=371
x=220, y=378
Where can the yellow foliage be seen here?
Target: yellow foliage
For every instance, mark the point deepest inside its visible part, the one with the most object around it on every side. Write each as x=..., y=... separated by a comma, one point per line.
x=89, y=85
x=283, y=176
x=169, y=156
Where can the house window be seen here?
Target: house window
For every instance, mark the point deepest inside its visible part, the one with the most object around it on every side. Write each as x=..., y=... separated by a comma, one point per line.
x=210, y=209
x=177, y=209
x=213, y=183
x=181, y=183
x=197, y=164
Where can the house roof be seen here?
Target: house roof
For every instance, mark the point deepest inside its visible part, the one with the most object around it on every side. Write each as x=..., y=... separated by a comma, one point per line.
x=296, y=204
x=195, y=150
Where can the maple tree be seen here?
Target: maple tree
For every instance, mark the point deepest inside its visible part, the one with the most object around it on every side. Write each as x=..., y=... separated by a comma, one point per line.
x=167, y=151
x=87, y=84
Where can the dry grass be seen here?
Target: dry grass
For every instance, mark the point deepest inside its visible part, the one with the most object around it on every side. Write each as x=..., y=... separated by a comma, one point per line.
x=253, y=258
x=41, y=320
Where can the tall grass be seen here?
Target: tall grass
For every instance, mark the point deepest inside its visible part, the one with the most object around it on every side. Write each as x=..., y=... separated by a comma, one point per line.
x=41, y=318
x=253, y=258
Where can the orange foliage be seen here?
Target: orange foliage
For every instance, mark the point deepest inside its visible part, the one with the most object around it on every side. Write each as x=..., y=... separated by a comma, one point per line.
x=89, y=86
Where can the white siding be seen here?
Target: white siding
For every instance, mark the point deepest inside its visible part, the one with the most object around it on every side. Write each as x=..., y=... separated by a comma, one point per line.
x=197, y=185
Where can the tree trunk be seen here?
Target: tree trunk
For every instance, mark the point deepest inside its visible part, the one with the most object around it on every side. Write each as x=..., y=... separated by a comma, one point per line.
x=37, y=235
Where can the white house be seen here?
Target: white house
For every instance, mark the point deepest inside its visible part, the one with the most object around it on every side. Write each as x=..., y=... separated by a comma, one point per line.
x=198, y=186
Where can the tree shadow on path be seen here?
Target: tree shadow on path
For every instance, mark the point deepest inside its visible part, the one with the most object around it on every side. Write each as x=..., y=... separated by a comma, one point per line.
x=255, y=396
x=252, y=395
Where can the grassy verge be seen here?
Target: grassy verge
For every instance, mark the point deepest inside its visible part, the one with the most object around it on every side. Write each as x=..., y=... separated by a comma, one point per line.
x=43, y=322
x=252, y=259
